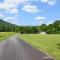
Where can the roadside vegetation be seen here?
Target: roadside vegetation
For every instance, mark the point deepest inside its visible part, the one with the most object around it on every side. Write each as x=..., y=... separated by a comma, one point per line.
x=5, y=35
x=49, y=43
x=53, y=28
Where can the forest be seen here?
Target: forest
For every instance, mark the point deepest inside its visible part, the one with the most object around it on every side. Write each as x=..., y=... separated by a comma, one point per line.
x=53, y=28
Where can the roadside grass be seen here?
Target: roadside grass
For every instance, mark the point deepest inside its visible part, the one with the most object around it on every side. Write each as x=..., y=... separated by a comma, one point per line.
x=49, y=43
x=5, y=35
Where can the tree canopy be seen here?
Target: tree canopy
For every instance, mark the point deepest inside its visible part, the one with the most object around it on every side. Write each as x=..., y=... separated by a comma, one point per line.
x=53, y=28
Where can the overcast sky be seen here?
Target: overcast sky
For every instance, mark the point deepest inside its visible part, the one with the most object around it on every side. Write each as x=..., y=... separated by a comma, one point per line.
x=30, y=12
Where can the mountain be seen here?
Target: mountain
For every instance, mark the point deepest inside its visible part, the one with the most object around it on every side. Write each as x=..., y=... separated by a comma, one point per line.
x=5, y=26
x=50, y=29
x=5, y=23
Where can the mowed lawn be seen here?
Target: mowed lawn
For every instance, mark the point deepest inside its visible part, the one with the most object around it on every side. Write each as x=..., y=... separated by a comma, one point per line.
x=47, y=43
x=5, y=35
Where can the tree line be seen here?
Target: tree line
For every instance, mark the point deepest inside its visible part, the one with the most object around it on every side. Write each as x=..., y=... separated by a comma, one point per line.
x=53, y=28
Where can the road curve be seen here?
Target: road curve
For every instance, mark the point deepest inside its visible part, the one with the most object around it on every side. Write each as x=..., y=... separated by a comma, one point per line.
x=16, y=49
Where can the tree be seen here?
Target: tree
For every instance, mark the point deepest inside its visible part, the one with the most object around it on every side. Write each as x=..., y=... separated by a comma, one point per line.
x=43, y=28
x=54, y=28
x=35, y=30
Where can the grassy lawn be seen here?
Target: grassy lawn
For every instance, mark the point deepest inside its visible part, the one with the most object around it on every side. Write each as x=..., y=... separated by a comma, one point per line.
x=47, y=43
x=4, y=35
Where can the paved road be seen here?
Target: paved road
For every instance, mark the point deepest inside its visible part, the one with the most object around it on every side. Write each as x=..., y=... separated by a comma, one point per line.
x=16, y=49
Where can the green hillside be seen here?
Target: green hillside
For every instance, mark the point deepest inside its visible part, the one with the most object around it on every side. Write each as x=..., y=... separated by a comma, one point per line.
x=53, y=28
x=7, y=27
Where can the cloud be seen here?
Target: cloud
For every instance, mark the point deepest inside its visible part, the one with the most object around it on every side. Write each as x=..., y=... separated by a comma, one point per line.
x=10, y=8
x=30, y=8
x=40, y=18
x=50, y=2
x=13, y=19
x=11, y=1
x=10, y=20
x=14, y=11
x=13, y=4
x=7, y=6
x=16, y=1
x=44, y=1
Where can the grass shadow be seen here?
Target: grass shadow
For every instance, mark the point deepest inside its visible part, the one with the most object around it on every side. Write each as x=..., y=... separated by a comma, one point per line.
x=58, y=45
x=1, y=36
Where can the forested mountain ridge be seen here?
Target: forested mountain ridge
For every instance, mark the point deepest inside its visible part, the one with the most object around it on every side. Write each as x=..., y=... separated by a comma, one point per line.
x=53, y=28
x=5, y=26
x=2, y=22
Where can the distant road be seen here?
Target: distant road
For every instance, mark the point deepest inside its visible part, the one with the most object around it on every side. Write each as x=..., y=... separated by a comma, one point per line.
x=16, y=49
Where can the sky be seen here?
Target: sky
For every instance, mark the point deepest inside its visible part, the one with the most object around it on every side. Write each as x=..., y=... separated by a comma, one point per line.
x=30, y=12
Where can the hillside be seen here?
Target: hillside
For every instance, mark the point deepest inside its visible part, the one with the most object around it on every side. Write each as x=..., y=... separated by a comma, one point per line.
x=53, y=28
x=5, y=26
x=6, y=23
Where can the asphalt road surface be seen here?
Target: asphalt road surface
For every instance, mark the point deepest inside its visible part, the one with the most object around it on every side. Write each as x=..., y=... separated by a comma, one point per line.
x=16, y=49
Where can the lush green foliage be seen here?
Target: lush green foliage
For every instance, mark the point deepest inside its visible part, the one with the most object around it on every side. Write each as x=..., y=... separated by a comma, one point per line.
x=4, y=35
x=7, y=27
x=49, y=43
x=50, y=29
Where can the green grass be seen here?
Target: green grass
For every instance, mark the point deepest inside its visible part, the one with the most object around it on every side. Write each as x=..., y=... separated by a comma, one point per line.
x=47, y=43
x=5, y=35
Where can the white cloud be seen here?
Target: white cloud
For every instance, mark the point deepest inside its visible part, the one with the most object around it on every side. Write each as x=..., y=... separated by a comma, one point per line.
x=7, y=6
x=10, y=8
x=30, y=8
x=14, y=10
x=16, y=1
x=40, y=18
x=11, y=1
x=13, y=19
x=44, y=1
x=3, y=6
x=10, y=20
x=50, y=2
